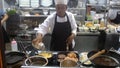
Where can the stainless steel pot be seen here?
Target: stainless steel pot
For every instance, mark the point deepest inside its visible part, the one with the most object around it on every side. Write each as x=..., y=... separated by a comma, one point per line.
x=36, y=61
x=69, y=63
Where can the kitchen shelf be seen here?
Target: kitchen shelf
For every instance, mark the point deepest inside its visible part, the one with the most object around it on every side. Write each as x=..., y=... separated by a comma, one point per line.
x=30, y=8
x=33, y=16
x=49, y=8
x=28, y=14
x=43, y=16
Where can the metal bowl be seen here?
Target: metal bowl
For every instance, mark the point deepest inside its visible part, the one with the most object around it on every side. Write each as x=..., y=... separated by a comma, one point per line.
x=36, y=61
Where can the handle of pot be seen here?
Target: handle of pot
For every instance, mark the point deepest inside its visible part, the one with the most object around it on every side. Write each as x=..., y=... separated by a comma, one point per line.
x=95, y=55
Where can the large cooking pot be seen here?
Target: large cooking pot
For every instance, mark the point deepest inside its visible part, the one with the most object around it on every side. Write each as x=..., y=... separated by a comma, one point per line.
x=69, y=63
x=36, y=61
x=106, y=60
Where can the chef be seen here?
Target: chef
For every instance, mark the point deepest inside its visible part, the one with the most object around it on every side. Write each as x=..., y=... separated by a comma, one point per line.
x=113, y=40
x=114, y=16
x=114, y=13
x=63, y=27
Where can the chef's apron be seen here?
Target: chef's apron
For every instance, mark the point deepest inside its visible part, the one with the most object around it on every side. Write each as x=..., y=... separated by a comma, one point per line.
x=117, y=19
x=61, y=32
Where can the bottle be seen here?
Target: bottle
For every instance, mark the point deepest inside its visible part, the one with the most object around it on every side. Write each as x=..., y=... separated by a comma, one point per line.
x=102, y=24
x=14, y=46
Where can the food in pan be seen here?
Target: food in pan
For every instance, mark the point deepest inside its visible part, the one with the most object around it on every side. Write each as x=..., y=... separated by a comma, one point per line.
x=83, y=57
x=73, y=59
x=68, y=64
x=71, y=56
x=89, y=24
x=67, y=56
x=105, y=61
x=61, y=57
x=46, y=54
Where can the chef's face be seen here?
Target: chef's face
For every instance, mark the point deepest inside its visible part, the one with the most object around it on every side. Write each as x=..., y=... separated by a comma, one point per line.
x=61, y=8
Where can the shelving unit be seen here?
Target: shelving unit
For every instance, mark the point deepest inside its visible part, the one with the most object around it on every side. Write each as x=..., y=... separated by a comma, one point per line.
x=75, y=11
x=79, y=12
x=98, y=7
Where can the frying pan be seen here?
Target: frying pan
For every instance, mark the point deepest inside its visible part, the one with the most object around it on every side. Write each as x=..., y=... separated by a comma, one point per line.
x=66, y=52
x=14, y=57
x=108, y=54
x=94, y=55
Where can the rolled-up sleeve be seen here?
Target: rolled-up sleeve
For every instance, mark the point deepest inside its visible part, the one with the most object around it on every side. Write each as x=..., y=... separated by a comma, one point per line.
x=47, y=26
x=44, y=28
x=73, y=24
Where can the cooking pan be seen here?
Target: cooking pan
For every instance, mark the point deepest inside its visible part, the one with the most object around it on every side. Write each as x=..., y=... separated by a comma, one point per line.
x=61, y=55
x=14, y=57
x=36, y=61
x=69, y=63
x=46, y=54
x=110, y=55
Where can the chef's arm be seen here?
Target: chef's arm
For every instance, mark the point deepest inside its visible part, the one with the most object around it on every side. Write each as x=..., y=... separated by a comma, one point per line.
x=5, y=17
x=39, y=36
x=70, y=38
x=38, y=39
x=74, y=30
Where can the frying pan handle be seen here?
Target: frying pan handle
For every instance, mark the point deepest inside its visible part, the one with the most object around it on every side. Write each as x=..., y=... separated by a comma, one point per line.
x=95, y=55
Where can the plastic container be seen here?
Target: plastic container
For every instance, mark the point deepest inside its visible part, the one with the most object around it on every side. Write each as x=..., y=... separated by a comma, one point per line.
x=14, y=46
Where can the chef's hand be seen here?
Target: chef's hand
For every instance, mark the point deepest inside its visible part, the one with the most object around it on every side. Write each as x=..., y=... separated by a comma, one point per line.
x=2, y=22
x=37, y=40
x=70, y=39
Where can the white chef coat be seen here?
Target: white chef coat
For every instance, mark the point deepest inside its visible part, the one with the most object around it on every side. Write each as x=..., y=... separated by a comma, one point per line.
x=48, y=24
